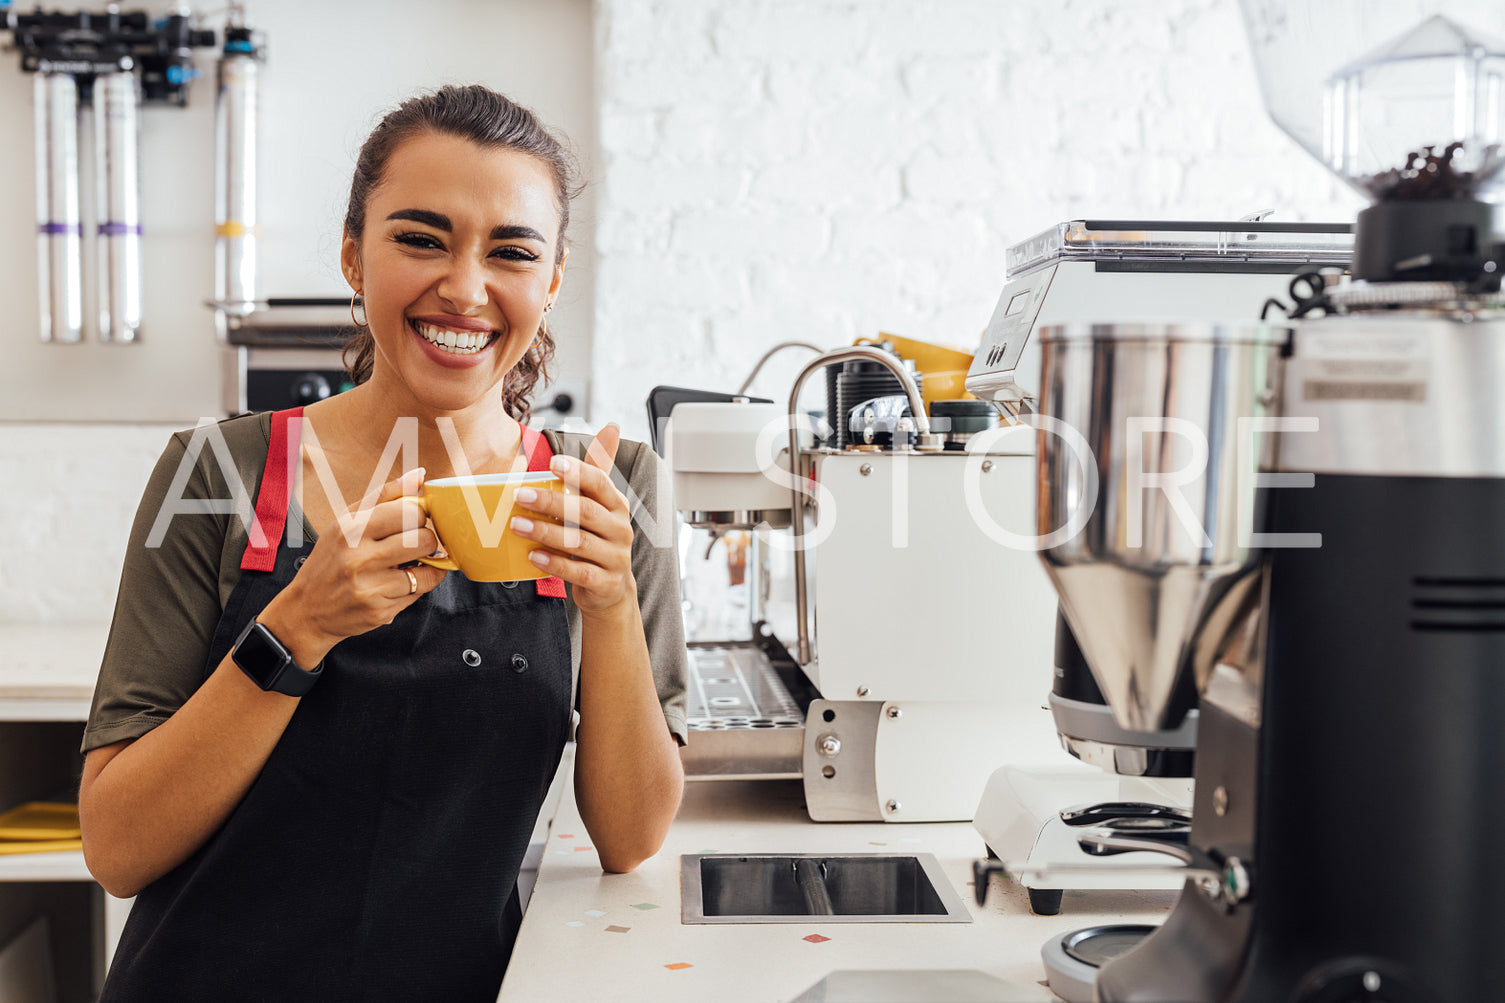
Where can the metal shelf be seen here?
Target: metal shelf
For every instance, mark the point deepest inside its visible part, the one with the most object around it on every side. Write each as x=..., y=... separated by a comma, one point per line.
x=64, y=865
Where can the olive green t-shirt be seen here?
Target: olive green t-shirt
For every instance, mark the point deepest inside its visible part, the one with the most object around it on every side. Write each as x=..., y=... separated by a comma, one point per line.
x=191, y=530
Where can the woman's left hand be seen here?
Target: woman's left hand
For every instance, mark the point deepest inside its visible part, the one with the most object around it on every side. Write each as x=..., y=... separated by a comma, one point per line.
x=593, y=549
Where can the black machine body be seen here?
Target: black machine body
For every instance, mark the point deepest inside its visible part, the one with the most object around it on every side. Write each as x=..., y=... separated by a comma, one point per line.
x=1348, y=766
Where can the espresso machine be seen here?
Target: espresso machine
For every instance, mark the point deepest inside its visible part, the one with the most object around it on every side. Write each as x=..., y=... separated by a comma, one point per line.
x=885, y=701
x=1302, y=516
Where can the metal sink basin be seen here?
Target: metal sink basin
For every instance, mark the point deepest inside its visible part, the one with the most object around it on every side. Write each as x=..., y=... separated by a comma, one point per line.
x=816, y=888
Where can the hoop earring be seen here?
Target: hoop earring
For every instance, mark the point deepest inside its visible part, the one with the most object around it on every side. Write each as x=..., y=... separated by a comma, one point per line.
x=358, y=323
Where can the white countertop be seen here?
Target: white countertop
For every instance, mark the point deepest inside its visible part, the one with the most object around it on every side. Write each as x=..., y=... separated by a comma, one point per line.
x=593, y=936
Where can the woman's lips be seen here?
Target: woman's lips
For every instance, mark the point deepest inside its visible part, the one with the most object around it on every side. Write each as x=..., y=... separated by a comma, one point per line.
x=460, y=349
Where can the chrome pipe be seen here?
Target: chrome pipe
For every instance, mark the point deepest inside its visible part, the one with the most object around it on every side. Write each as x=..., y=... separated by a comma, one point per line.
x=60, y=279
x=758, y=366
x=797, y=463
x=118, y=178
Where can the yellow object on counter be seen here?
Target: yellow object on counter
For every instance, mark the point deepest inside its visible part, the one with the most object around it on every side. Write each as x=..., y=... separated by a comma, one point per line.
x=12, y=846
x=40, y=820
x=944, y=369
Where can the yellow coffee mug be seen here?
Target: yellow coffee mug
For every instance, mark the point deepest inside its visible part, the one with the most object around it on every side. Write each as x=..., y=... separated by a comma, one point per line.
x=473, y=519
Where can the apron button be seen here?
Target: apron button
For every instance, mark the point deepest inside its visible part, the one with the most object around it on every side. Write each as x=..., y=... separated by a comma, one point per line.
x=519, y=663
x=300, y=562
x=509, y=585
x=472, y=657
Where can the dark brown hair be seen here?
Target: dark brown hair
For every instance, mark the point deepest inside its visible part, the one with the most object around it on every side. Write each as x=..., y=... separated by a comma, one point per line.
x=487, y=119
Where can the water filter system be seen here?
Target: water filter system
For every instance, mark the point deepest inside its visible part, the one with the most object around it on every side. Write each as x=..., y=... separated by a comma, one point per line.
x=93, y=72
x=235, y=168
x=118, y=203
x=59, y=228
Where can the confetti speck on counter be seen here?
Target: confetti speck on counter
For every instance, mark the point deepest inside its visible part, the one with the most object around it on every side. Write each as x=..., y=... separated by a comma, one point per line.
x=584, y=849
x=678, y=965
x=816, y=938
x=711, y=850
x=617, y=929
x=644, y=905
x=595, y=912
x=871, y=843
x=574, y=922
x=564, y=835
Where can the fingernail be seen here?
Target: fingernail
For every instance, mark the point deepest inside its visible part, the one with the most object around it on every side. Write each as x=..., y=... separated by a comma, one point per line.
x=521, y=525
x=539, y=558
x=527, y=496
x=560, y=465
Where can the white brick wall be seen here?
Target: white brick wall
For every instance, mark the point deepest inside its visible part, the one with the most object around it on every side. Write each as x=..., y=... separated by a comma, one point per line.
x=825, y=170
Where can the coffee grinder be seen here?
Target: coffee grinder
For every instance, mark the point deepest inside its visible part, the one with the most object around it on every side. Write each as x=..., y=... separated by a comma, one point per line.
x=1342, y=609
x=1128, y=781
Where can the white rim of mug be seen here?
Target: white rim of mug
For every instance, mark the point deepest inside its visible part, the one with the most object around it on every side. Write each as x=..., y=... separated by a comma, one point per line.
x=484, y=480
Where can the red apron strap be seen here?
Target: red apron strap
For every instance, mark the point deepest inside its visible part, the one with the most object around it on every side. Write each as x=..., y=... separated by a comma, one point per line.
x=536, y=449
x=539, y=453
x=276, y=489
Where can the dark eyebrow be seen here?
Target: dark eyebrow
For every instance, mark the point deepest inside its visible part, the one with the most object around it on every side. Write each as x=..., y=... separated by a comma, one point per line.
x=513, y=232
x=439, y=221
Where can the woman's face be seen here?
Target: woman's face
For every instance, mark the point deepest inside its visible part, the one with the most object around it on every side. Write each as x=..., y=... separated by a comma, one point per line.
x=456, y=266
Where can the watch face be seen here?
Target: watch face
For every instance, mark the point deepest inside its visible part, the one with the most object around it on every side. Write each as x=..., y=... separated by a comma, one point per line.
x=260, y=656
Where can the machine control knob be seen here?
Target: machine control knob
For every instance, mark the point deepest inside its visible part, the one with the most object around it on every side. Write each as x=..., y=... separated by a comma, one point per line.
x=309, y=387
x=828, y=745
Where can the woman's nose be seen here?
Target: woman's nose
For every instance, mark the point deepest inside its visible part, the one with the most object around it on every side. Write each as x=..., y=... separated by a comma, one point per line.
x=463, y=286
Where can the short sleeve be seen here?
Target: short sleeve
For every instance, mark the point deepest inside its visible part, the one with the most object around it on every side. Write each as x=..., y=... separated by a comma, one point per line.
x=170, y=598
x=655, y=566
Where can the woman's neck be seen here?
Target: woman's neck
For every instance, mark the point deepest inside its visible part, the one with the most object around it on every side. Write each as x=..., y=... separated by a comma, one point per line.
x=371, y=422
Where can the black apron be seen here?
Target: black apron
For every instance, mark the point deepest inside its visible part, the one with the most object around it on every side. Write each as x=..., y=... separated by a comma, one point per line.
x=376, y=855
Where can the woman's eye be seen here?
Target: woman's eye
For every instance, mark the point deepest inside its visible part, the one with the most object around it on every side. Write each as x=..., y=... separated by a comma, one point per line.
x=511, y=252
x=422, y=240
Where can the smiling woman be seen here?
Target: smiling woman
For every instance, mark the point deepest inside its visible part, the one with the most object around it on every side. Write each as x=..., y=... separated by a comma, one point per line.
x=317, y=764
x=482, y=120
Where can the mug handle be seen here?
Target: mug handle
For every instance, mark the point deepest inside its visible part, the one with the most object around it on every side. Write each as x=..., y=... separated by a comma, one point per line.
x=442, y=563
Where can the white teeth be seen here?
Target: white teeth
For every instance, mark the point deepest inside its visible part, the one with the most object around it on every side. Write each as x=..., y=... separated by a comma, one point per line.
x=454, y=342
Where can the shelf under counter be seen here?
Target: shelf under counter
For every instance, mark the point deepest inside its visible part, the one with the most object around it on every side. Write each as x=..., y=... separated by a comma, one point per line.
x=59, y=865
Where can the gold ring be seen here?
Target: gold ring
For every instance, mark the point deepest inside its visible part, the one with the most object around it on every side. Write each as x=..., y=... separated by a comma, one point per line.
x=412, y=581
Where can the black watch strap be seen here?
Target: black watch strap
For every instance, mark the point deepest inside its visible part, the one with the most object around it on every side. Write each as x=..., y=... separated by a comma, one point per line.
x=269, y=664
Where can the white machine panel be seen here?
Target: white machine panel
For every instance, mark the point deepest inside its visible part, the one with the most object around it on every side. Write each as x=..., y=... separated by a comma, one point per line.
x=914, y=600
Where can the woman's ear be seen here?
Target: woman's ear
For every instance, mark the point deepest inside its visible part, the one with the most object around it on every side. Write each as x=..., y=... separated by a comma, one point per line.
x=558, y=274
x=350, y=262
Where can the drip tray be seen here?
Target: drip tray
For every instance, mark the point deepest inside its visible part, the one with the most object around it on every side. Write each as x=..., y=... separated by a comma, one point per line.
x=816, y=888
x=744, y=724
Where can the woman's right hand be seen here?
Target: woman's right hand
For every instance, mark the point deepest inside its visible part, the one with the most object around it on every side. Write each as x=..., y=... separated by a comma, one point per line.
x=352, y=581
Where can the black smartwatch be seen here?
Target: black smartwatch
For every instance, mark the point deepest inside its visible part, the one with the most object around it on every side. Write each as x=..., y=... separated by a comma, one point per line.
x=269, y=664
